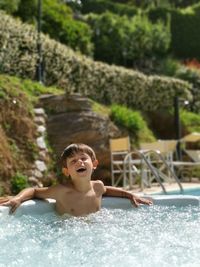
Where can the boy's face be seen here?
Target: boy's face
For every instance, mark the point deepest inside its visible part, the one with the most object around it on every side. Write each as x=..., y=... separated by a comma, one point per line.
x=80, y=165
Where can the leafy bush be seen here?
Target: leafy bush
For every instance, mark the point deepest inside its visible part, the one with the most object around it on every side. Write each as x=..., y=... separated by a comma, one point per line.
x=57, y=21
x=190, y=121
x=60, y=25
x=18, y=182
x=124, y=41
x=169, y=67
x=132, y=121
x=9, y=6
x=109, y=37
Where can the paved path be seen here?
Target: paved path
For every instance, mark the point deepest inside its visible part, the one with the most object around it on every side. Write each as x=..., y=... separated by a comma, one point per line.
x=155, y=188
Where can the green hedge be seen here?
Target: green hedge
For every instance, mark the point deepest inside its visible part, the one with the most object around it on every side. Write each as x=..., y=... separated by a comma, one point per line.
x=185, y=25
x=158, y=13
x=75, y=73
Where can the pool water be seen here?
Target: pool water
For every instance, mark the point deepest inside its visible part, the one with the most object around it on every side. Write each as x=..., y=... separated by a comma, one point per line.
x=147, y=237
x=189, y=191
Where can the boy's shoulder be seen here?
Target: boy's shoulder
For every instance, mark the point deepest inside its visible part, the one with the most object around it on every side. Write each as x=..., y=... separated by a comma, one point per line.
x=64, y=187
x=98, y=186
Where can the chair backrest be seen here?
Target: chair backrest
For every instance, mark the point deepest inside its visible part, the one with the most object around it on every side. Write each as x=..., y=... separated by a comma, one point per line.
x=119, y=148
x=193, y=154
x=192, y=137
x=152, y=146
x=164, y=146
x=168, y=145
x=120, y=144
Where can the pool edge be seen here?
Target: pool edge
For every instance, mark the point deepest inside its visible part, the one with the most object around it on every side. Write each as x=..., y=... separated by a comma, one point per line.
x=41, y=206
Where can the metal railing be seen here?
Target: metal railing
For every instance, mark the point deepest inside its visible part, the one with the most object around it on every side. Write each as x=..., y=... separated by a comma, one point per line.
x=148, y=167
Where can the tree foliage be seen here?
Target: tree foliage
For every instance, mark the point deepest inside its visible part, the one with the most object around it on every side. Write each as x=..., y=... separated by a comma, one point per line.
x=124, y=41
x=57, y=20
x=9, y=6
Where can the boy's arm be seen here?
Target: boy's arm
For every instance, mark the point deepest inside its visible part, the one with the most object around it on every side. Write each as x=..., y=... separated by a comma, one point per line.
x=29, y=193
x=118, y=192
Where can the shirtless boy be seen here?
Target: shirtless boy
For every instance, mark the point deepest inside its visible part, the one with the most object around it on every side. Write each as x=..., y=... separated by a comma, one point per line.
x=79, y=196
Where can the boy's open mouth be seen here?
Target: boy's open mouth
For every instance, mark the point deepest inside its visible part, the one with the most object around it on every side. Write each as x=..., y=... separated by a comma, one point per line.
x=82, y=169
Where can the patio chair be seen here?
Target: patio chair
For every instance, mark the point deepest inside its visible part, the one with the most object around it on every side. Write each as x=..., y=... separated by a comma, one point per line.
x=166, y=148
x=119, y=148
x=160, y=154
x=189, y=167
x=194, y=155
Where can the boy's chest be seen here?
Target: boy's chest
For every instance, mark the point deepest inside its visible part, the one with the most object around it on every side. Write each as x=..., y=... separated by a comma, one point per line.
x=78, y=204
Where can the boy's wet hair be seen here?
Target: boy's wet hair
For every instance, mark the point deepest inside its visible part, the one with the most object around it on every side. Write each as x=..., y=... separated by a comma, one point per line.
x=73, y=149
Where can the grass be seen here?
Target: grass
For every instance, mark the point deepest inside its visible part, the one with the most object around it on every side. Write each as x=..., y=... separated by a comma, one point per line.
x=14, y=85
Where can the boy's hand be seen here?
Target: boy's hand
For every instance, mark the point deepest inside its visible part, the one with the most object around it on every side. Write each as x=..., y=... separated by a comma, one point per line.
x=136, y=201
x=4, y=199
x=13, y=203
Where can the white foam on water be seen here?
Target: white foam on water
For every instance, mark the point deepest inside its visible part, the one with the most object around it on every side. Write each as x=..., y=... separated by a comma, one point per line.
x=148, y=236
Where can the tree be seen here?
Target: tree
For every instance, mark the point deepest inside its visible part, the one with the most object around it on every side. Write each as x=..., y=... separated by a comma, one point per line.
x=10, y=6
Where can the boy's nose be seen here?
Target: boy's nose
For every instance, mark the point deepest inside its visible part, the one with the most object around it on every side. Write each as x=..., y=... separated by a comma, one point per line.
x=80, y=161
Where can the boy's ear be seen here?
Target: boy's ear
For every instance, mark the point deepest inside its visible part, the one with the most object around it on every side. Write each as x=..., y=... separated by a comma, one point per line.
x=95, y=164
x=65, y=171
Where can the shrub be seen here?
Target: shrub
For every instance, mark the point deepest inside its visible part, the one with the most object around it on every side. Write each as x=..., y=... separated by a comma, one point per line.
x=169, y=67
x=132, y=121
x=18, y=182
x=9, y=6
x=57, y=21
x=190, y=121
x=60, y=25
x=124, y=41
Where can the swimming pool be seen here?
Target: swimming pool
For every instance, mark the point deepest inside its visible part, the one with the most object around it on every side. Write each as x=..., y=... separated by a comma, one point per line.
x=165, y=234
x=189, y=191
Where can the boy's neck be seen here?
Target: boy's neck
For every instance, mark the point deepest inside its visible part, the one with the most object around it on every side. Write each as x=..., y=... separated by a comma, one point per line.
x=82, y=187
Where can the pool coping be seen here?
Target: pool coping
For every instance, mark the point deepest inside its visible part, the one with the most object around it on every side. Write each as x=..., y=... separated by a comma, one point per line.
x=172, y=187
x=48, y=205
